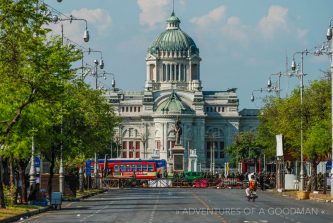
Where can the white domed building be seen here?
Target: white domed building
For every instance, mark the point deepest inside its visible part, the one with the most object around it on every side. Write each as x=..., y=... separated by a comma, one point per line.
x=173, y=89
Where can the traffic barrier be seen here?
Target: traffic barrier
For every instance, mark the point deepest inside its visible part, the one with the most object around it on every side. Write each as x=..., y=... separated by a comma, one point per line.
x=202, y=183
x=230, y=183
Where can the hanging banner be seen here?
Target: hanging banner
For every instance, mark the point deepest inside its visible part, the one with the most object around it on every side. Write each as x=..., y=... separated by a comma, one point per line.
x=279, y=145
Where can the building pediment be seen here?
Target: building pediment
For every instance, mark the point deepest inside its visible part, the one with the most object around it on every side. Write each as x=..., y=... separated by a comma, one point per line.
x=195, y=57
x=151, y=57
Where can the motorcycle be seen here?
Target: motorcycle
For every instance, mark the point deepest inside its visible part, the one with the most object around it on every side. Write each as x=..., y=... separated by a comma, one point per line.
x=253, y=196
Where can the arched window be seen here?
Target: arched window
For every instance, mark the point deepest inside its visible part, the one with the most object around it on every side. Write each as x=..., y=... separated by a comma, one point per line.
x=164, y=73
x=168, y=72
x=177, y=72
x=214, y=143
x=182, y=72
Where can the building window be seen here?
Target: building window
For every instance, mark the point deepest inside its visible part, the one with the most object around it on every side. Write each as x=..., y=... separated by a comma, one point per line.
x=158, y=144
x=131, y=109
x=137, y=149
x=208, y=151
x=168, y=72
x=126, y=109
x=164, y=73
x=221, y=150
x=122, y=109
x=182, y=72
x=131, y=148
x=134, y=109
x=124, y=149
x=171, y=144
x=215, y=148
x=219, y=109
x=138, y=109
x=222, y=109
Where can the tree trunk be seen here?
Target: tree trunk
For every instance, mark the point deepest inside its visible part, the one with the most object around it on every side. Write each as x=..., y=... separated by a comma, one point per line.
x=12, y=180
x=49, y=185
x=23, y=180
x=324, y=183
x=313, y=178
x=2, y=195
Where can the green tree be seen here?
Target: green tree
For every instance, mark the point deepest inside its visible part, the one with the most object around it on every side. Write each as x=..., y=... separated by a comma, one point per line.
x=244, y=147
x=284, y=116
x=31, y=67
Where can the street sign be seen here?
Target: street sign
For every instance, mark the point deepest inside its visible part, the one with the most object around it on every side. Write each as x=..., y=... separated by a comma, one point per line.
x=329, y=165
x=279, y=145
x=88, y=169
x=37, y=162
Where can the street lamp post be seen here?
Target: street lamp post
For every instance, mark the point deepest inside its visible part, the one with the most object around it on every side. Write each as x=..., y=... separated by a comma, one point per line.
x=211, y=138
x=277, y=87
x=61, y=169
x=56, y=19
x=100, y=63
x=32, y=172
x=113, y=83
x=96, y=170
x=329, y=38
x=81, y=179
x=301, y=77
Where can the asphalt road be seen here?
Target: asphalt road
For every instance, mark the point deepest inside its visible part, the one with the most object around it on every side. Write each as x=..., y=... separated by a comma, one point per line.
x=150, y=205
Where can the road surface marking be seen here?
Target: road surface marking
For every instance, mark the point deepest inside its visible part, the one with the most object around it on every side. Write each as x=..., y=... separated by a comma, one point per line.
x=152, y=214
x=209, y=208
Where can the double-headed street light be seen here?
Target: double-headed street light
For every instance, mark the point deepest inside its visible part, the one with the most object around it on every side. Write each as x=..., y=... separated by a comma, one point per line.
x=329, y=38
x=300, y=76
x=275, y=87
x=56, y=19
x=100, y=63
x=113, y=83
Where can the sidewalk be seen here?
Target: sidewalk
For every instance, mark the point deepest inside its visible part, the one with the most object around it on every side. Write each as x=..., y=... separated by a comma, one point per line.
x=313, y=196
x=28, y=214
x=25, y=215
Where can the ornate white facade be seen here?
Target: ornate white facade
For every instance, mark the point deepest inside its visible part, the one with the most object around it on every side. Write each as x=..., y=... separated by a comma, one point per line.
x=173, y=89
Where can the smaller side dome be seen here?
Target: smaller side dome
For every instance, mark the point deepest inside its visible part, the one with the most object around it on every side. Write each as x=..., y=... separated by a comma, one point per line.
x=173, y=105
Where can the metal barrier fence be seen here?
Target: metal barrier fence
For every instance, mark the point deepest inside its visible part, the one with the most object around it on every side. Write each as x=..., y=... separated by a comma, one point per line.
x=231, y=183
x=221, y=183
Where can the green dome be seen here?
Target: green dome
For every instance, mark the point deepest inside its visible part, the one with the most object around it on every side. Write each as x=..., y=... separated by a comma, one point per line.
x=173, y=39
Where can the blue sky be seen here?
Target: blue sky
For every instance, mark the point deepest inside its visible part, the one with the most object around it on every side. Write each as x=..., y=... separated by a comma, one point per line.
x=241, y=42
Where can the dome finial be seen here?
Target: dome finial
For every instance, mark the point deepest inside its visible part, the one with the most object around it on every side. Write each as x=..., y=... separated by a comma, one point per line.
x=173, y=7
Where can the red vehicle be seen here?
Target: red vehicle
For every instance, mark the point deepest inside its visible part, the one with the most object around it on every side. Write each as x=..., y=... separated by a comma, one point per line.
x=139, y=170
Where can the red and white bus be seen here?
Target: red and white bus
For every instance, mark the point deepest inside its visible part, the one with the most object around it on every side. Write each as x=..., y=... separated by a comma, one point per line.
x=139, y=169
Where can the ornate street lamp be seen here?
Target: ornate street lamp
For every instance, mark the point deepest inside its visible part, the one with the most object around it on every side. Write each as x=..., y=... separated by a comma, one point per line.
x=329, y=38
x=56, y=19
x=301, y=77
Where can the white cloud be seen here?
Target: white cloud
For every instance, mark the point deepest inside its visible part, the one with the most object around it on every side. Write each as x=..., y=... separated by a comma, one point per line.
x=215, y=15
x=98, y=21
x=235, y=30
x=98, y=18
x=217, y=23
x=302, y=33
x=274, y=21
x=153, y=11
